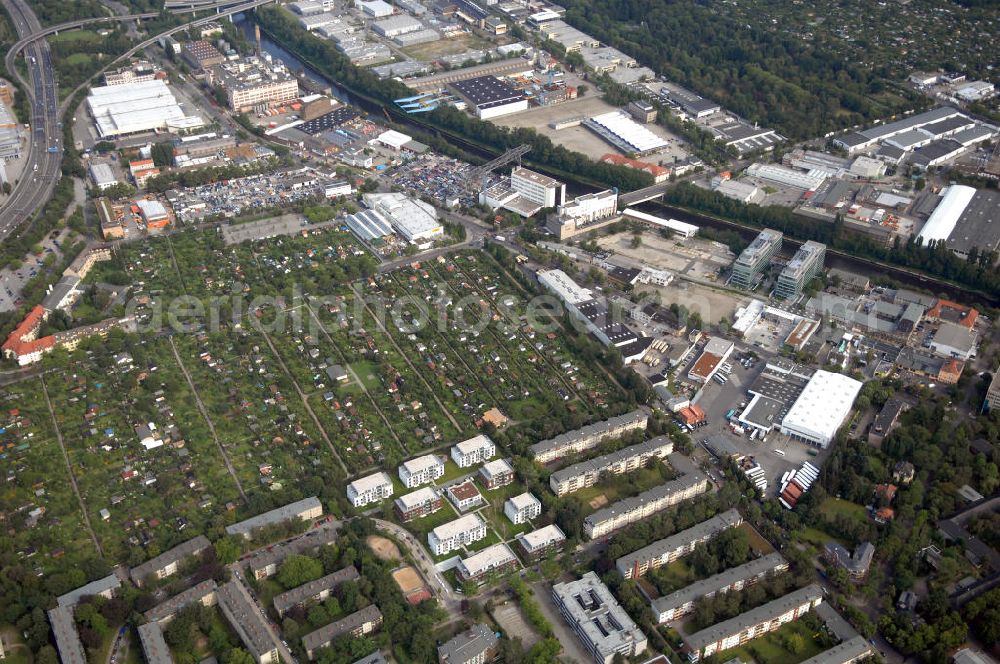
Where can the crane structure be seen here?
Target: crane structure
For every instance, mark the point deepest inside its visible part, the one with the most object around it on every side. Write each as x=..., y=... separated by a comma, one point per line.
x=477, y=177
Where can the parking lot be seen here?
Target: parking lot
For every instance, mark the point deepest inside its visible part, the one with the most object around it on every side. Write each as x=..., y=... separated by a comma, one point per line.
x=13, y=281
x=717, y=400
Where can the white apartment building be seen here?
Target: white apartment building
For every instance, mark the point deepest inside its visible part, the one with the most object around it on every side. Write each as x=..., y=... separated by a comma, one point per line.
x=497, y=558
x=421, y=470
x=369, y=489
x=472, y=451
x=452, y=535
x=522, y=508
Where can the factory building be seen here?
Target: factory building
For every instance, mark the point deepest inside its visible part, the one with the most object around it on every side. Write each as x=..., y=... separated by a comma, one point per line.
x=621, y=131
x=415, y=220
x=597, y=619
x=490, y=97
x=805, y=264
x=133, y=108
x=254, y=81
x=821, y=408
x=396, y=25
x=788, y=177
x=753, y=260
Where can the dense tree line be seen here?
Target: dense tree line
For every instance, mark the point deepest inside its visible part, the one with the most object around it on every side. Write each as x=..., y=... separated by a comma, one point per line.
x=977, y=272
x=802, y=88
x=936, y=441
x=323, y=55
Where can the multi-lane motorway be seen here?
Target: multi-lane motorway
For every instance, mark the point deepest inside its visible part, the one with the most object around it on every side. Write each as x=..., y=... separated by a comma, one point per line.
x=41, y=170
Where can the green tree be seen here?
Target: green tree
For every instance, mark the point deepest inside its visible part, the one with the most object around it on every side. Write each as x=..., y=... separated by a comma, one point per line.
x=297, y=570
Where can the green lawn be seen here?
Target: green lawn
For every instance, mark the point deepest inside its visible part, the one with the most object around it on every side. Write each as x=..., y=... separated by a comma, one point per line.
x=452, y=471
x=16, y=651
x=78, y=59
x=816, y=536
x=420, y=527
x=773, y=648
x=75, y=36
x=675, y=575
x=833, y=507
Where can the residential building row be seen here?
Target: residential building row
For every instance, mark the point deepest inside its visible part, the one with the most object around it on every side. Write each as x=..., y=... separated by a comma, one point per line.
x=304, y=510
x=588, y=437
x=313, y=591
x=586, y=473
x=681, y=602
x=678, y=545
x=359, y=623
x=752, y=624
x=168, y=562
x=647, y=503
x=265, y=563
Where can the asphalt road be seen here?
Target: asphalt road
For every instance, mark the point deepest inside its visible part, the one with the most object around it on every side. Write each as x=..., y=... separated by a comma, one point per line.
x=41, y=173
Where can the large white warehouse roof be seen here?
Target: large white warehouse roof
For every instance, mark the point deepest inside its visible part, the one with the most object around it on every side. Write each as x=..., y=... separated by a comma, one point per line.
x=630, y=131
x=821, y=407
x=136, y=107
x=942, y=221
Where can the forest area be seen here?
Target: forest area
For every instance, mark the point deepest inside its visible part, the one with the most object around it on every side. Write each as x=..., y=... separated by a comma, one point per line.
x=802, y=89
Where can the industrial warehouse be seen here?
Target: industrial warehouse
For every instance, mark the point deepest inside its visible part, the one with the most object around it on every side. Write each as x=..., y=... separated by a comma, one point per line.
x=134, y=108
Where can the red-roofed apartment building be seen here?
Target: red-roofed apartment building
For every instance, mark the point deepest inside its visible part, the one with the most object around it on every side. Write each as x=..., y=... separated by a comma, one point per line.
x=23, y=343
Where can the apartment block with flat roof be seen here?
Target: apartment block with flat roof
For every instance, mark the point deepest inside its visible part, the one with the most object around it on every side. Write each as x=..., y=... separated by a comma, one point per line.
x=370, y=489
x=599, y=621
x=491, y=560
x=452, y=535
x=425, y=500
x=805, y=264
x=421, y=470
x=472, y=451
x=755, y=258
x=522, y=508
x=538, y=543
x=495, y=474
